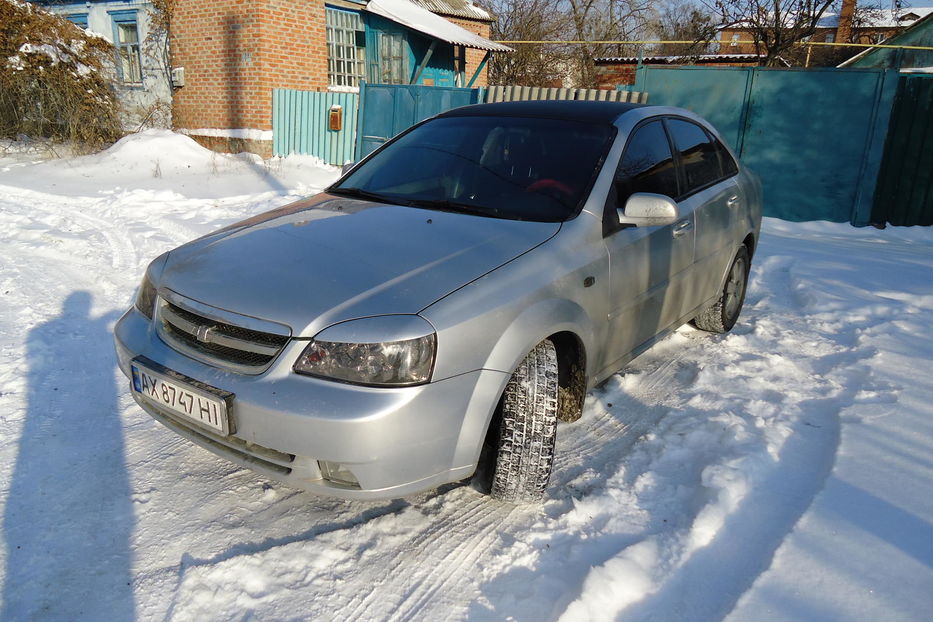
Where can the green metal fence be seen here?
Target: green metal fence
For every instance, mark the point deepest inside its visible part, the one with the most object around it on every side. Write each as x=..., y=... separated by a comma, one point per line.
x=905, y=184
x=301, y=124
x=815, y=137
x=387, y=109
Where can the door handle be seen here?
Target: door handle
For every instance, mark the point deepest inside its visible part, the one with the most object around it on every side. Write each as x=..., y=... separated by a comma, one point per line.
x=682, y=227
x=733, y=201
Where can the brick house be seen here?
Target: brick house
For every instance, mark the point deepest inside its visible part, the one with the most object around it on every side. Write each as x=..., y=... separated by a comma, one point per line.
x=233, y=53
x=919, y=33
x=849, y=25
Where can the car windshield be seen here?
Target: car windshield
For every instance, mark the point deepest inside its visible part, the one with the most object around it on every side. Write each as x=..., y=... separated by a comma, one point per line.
x=502, y=167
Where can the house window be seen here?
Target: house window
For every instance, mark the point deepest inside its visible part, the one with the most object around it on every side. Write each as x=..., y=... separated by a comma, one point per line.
x=346, y=47
x=126, y=40
x=393, y=57
x=78, y=19
x=735, y=40
x=830, y=37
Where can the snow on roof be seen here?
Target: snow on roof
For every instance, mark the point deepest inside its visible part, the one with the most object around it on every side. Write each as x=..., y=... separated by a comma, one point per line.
x=881, y=18
x=417, y=18
x=457, y=8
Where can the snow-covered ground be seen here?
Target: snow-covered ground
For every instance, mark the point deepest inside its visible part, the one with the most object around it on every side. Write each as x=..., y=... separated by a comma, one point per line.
x=779, y=472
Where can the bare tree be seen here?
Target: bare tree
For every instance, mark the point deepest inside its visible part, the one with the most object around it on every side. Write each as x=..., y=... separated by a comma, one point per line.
x=526, y=20
x=571, y=64
x=684, y=21
x=603, y=20
x=775, y=26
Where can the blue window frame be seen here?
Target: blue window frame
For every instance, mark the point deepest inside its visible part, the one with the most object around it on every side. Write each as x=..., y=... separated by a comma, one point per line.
x=126, y=40
x=78, y=19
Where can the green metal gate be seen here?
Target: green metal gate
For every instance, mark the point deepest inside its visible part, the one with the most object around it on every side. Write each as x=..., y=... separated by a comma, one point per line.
x=905, y=184
x=387, y=109
x=815, y=137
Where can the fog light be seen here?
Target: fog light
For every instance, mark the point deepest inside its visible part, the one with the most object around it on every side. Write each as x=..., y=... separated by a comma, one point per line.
x=338, y=474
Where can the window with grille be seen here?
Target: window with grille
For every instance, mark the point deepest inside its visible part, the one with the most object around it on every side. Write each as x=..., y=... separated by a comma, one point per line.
x=126, y=41
x=346, y=51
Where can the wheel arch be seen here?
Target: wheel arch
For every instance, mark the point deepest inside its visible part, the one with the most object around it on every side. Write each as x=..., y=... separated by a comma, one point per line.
x=750, y=243
x=570, y=329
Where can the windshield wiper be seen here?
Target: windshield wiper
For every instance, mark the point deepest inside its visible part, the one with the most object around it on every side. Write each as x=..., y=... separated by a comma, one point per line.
x=446, y=205
x=359, y=193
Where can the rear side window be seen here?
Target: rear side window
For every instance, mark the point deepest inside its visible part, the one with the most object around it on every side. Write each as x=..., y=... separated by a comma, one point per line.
x=726, y=161
x=698, y=157
x=647, y=165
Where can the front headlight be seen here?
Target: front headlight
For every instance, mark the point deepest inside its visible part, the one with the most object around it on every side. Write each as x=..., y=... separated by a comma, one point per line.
x=146, y=297
x=387, y=364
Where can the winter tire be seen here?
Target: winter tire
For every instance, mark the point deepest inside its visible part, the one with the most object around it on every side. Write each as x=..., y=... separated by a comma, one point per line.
x=527, y=429
x=721, y=316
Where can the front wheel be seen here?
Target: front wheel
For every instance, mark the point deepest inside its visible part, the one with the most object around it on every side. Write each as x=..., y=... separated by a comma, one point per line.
x=721, y=316
x=527, y=429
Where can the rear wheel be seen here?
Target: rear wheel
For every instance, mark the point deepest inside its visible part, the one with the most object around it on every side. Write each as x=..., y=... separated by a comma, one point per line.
x=527, y=429
x=721, y=316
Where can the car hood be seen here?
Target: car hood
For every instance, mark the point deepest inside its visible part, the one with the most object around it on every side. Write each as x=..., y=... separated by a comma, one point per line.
x=328, y=259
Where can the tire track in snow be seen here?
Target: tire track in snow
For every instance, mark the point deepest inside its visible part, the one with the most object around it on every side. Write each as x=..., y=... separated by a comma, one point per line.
x=749, y=533
x=457, y=535
x=377, y=557
x=120, y=249
x=652, y=385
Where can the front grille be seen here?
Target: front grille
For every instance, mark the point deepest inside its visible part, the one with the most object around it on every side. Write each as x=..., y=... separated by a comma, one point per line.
x=218, y=342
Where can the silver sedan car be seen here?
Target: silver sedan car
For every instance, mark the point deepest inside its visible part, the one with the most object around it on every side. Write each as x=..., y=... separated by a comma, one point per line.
x=448, y=301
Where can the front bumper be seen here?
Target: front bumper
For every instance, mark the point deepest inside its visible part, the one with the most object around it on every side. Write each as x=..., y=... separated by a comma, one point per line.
x=396, y=441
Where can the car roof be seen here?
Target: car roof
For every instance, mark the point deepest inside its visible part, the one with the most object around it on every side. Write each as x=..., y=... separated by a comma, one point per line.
x=599, y=112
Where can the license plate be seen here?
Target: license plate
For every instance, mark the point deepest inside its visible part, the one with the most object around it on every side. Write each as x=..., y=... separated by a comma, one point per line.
x=188, y=398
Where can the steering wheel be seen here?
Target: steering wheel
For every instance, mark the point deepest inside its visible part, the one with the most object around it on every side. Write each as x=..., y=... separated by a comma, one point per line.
x=553, y=188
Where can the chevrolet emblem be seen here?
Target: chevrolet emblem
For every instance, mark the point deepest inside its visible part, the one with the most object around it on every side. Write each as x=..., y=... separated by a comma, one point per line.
x=204, y=333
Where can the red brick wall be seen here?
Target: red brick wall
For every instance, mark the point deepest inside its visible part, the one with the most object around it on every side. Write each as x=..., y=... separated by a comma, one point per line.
x=725, y=42
x=474, y=57
x=236, y=51
x=608, y=76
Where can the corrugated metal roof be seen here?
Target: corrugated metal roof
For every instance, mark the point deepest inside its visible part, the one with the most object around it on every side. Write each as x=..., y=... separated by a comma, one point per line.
x=658, y=60
x=457, y=8
x=417, y=18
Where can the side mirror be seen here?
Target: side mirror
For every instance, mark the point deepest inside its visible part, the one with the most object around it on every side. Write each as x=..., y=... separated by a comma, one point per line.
x=346, y=168
x=645, y=209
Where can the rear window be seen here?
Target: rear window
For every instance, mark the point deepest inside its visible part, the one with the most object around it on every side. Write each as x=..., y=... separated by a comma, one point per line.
x=505, y=167
x=727, y=164
x=698, y=157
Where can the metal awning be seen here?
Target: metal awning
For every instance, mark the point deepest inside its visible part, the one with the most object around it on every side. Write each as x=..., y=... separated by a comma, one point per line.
x=411, y=16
